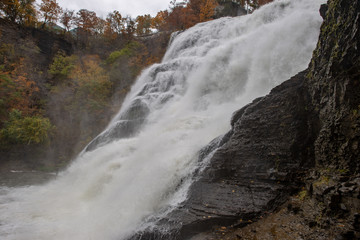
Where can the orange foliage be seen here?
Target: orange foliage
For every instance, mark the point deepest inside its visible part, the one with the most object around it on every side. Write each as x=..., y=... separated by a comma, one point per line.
x=114, y=25
x=50, y=10
x=143, y=24
x=67, y=19
x=16, y=91
x=207, y=10
x=182, y=16
x=263, y=2
x=159, y=21
x=86, y=20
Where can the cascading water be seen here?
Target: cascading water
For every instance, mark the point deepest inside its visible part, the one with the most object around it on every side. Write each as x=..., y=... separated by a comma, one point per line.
x=134, y=169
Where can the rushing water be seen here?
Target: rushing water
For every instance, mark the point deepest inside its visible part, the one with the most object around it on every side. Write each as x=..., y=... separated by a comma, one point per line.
x=134, y=168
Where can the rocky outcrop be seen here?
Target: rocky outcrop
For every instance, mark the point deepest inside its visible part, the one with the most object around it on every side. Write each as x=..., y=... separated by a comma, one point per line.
x=41, y=45
x=305, y=133
x=256, y=166
x=333, y=83
x=259, y=165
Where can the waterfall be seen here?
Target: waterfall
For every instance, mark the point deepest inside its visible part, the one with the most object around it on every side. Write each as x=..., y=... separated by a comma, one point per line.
x=141, y=165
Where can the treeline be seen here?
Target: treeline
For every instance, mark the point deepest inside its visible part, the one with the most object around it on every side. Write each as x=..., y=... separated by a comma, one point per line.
x=180, y=16
x=55, y=98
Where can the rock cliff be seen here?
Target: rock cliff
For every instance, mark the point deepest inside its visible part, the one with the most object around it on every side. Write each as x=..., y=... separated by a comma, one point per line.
x=299, y=142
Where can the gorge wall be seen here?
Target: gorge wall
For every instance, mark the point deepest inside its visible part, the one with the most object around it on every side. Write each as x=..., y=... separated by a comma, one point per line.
x=301, y=140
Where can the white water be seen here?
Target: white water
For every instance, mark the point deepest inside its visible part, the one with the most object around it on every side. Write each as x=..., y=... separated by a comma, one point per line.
x=209, y=71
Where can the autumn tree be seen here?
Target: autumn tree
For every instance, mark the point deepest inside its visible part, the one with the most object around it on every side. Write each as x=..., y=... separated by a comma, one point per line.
x=86, y=20
x=129, y=28
x=143, y=24
x=92, y=85
x=20, y=11
x=202, y=10
x=159, y=22
x=16, y=91
x=183, y=16
x=116, y=22
x=50, y=11
x=207, y=10
x=100, y=26
x=67, y=19
x=263, y=2
x=177, y=18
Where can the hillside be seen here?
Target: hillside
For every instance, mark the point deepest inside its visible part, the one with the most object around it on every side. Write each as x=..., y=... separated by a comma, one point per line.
x=71, y=86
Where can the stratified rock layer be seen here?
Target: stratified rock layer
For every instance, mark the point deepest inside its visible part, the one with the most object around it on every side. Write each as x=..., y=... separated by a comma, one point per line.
x=259, y=165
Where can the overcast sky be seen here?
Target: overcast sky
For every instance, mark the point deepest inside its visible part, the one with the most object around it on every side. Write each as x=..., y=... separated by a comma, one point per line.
x=125, y=7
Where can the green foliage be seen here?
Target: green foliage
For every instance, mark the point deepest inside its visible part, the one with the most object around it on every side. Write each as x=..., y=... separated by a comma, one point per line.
x=62, y=65
x=302, y=194
x=128, y=51
x=113, y=57
x=6, y=86
x=25, y=130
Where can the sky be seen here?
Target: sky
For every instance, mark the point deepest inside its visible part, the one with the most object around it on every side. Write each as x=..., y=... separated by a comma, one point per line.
x=125, y=7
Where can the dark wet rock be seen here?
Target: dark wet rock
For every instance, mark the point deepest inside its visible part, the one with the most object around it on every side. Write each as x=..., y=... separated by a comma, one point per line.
x=128, y=124
x=259, y=165
x=120, y=129
x=323, y=10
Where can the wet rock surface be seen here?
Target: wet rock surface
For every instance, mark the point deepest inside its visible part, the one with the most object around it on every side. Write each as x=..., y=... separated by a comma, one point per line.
x=258, y=167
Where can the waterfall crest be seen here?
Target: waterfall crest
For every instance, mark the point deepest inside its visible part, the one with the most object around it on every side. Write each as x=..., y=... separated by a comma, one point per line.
x=133, y=170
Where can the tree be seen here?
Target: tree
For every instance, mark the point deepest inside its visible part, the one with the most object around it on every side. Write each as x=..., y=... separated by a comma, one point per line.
x=50, y=11
x=16, y=91
x=159, y=22
x=62, y=66
x=86, y=20
x=116, y=22
x=93, y=86
x=25, y=130
x=207, y=10
x=143, y=24
x=263, y=2
x=28, y=13
x=20, y=11
x=129, y=28
x=67, y=19
x=100, y=26
x=183, y=16
x=176, y=17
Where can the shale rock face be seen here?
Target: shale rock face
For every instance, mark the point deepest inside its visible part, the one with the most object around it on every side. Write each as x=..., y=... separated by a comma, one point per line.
x=334, y=84
x=259, y=165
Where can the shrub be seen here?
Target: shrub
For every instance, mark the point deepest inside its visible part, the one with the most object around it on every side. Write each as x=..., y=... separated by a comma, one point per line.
x=128, y=51
x=25, y=130
x=62, y=65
